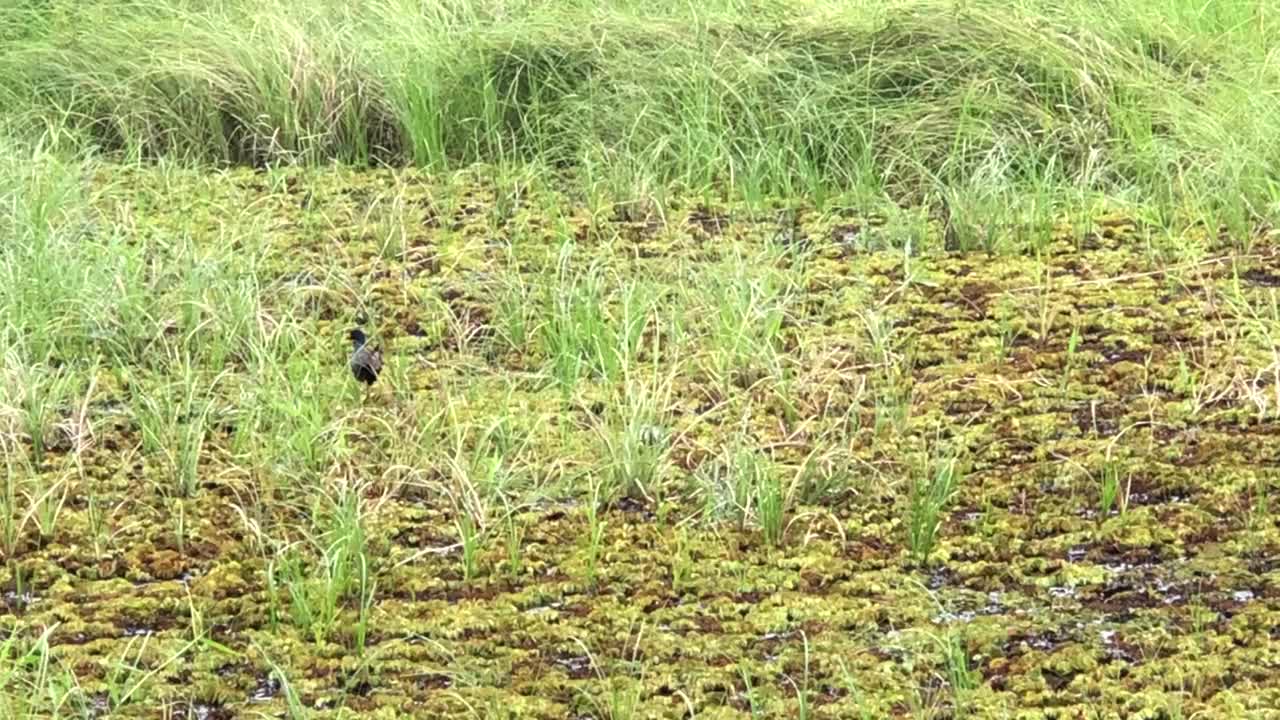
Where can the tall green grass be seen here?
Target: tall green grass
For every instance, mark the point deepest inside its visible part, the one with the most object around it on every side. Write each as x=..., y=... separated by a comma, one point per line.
x=1010, y=110
x=69, y=287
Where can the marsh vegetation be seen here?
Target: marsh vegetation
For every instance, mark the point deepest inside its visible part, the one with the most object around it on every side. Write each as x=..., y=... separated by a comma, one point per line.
x=739, y=359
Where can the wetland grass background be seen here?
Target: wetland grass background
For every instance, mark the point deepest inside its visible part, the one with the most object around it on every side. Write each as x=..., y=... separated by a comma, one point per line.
x=743, y=359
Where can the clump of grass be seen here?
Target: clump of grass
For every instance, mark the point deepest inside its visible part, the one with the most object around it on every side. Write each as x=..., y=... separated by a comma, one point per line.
x=1008, y=331
x=747, y=303
x=1113, y=490
x=621, y=696
x=590, y=328
x=68, y=287
x=98, y=520
x=744, y=485
x=484, y=472
x=334, y=567
x=681, y=562
x=1190, y=384
x=960, y=676
x=10, y=512
x=513, y=317
x=288, y=421
x=42, y=393
x=389, y=221
x=469, y=539
x=888, y=350
x=174, y=422
x=576, y=329
x=45, y=501
x=35, y=679
x=771, y=507
x=931, y=490
x=635, y=437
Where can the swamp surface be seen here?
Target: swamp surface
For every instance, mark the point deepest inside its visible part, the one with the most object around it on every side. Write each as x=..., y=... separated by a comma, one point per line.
x=685, y=456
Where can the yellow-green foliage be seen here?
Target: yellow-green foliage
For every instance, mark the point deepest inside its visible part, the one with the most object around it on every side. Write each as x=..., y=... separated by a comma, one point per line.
x=649, y=539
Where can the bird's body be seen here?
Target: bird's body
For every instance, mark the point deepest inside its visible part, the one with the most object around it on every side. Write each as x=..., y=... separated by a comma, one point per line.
x=366, y=362
x=950, y=238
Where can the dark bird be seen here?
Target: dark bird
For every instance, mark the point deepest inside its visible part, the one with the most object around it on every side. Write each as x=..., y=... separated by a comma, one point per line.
x=950, y=238
x=366, y=362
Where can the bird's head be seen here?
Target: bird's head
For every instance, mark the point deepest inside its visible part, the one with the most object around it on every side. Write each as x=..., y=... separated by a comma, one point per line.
x=357, y=337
